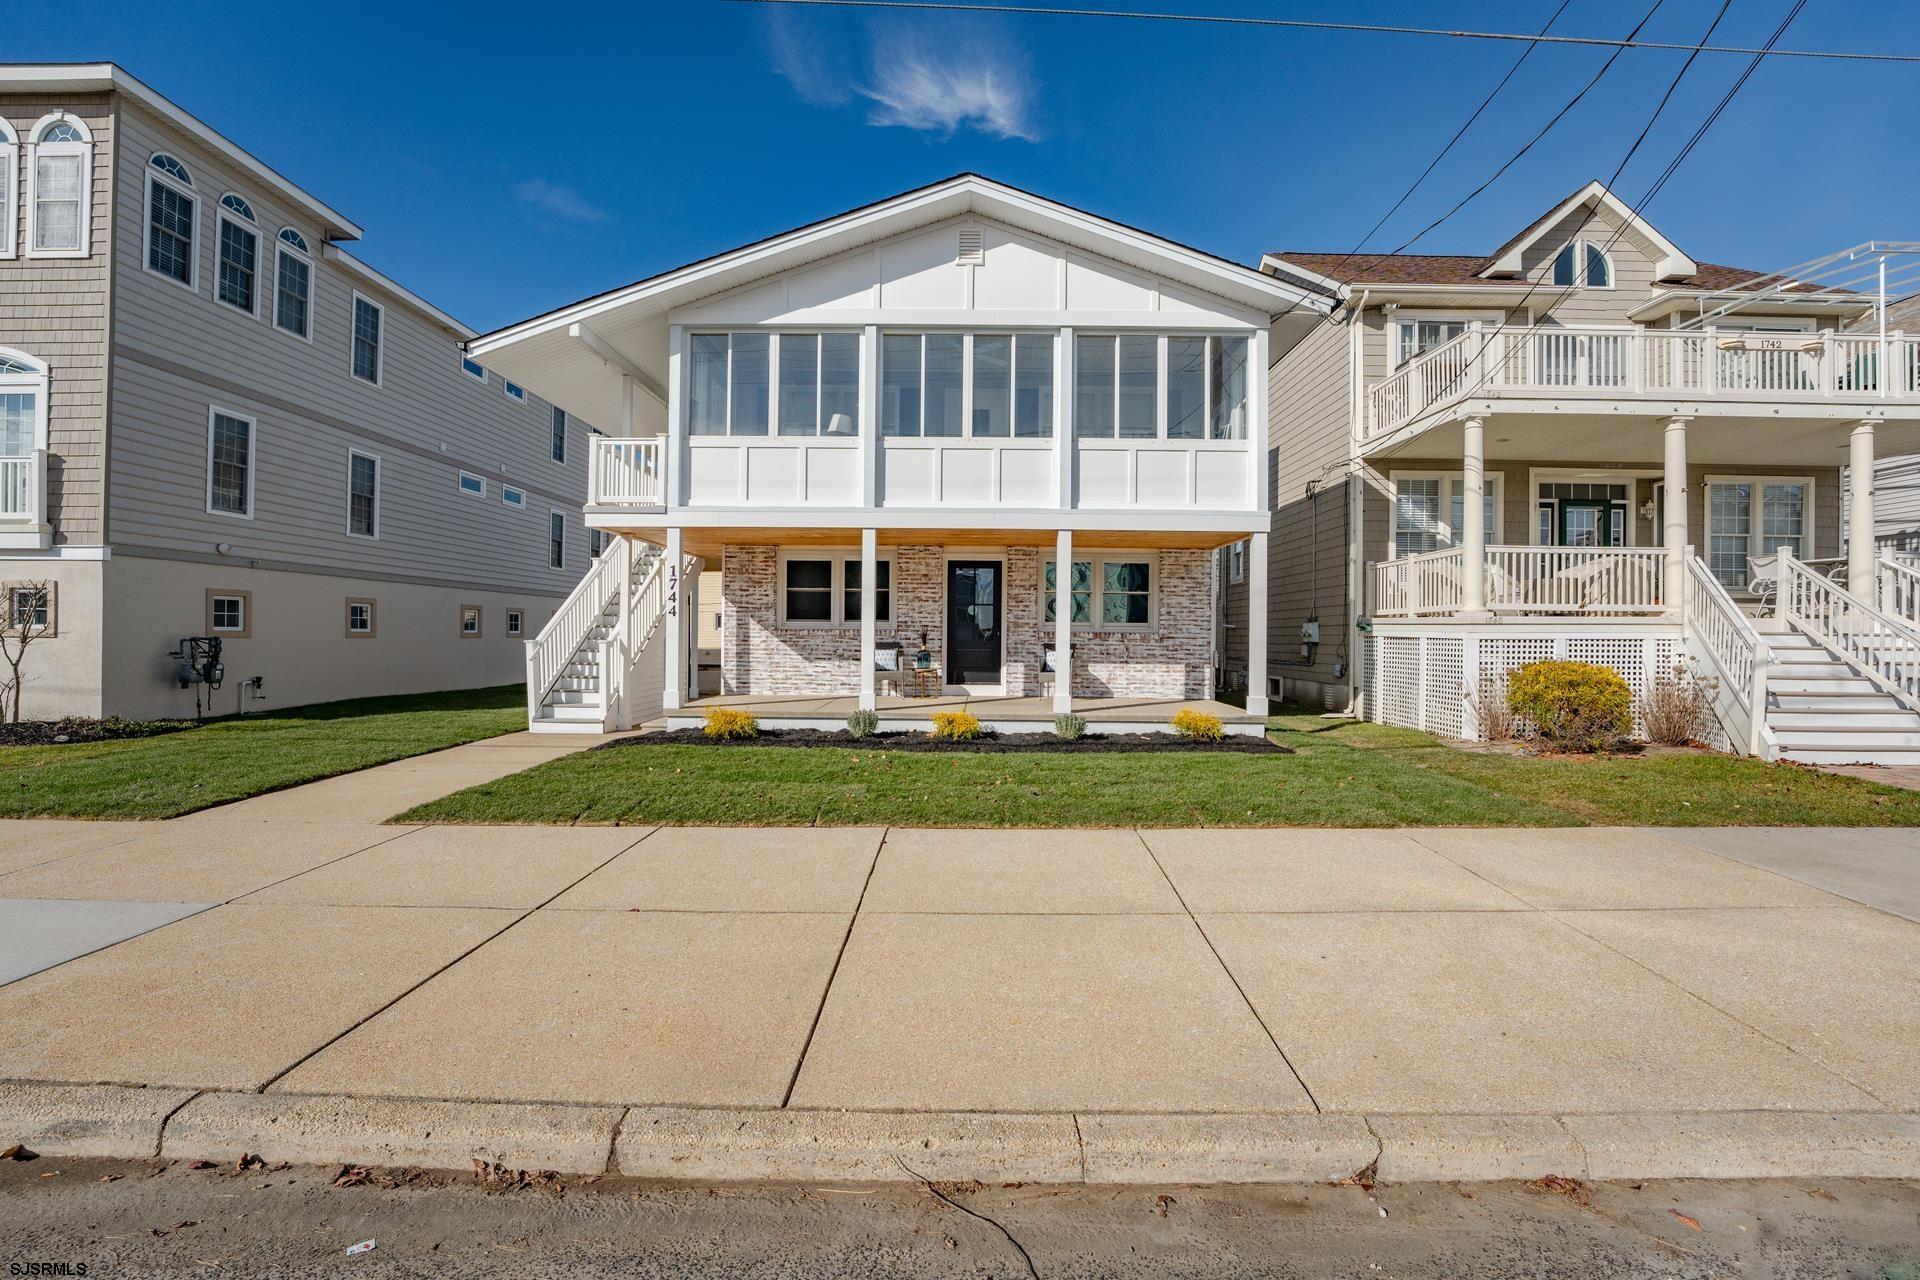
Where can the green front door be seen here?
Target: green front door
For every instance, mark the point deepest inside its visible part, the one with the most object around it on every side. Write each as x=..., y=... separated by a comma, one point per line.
x=1586, y=523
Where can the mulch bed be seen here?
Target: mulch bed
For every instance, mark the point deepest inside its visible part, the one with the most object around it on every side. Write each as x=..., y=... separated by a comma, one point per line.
x=47, y=733
x=985, y=744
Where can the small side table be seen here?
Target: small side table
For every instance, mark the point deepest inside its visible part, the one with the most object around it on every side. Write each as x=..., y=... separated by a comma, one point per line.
x=926, y=681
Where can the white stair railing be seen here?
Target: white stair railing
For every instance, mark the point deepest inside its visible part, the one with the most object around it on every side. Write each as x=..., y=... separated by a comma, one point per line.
x=1884, y=648
x=1899, y=582
x=1723, y=639
x=549, y=652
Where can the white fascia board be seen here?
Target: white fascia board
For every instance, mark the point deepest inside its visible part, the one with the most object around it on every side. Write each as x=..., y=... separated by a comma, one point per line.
x=1669, y=263
x=355, y=267
x=101, y=77
x=1273, y=262
x=1144, y=521
x=1668, y=301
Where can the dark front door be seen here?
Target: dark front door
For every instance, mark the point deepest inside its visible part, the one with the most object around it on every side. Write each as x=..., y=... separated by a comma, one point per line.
x=973, y=621
x=1585, y=523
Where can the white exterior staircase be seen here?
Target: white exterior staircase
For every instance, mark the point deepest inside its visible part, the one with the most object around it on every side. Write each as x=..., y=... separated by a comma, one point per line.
x=1824, y=710
x=595, y=667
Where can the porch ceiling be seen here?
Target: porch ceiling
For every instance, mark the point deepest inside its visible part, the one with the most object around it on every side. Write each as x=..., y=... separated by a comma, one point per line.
x=709, y=543
x=1577, y=437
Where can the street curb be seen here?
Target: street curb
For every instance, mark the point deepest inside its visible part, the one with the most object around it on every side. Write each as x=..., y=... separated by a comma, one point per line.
x=382, y=1131
x=86, y=1119
x=737, y=1145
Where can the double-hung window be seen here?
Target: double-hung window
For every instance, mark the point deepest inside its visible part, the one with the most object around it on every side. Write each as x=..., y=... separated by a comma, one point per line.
x=59, y=188
x=1417, y=337
x=293, y=285
x=557, y=446
x=172, y=216
x=363, y=494
x=987, y=386
x=236, y=281
x=1427, y=512
x=556, y=539
x=824, y=590
x=1755, y=516
x=819, y=384
x=230, y=464
x=1113, y=592
x=9, y=169
x=368, y=320
x=1119, y=392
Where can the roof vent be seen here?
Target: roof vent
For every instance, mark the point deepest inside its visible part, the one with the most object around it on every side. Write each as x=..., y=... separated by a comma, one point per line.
x=973, y=252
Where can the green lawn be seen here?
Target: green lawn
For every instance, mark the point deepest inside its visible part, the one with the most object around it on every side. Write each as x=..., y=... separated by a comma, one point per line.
x=229, y=759
x=1343, y=774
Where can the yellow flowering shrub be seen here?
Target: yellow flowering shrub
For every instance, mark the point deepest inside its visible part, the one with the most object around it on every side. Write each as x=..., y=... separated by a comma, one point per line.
x=1189, y=723
x=1573, y=706
x=731, y=722
x=956, y=726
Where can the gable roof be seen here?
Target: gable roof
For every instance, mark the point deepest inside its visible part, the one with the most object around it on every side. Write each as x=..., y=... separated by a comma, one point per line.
x=1668, y=262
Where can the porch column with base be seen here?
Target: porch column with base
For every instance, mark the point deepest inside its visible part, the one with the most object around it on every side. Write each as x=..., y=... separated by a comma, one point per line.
x=1473, y=520
x=674, y=633
x=869, y=558
x=622, y=716
x=1257, y=625
x=691, y=612
x=1063, y=622
x=1860, y=548
x=1673, y=520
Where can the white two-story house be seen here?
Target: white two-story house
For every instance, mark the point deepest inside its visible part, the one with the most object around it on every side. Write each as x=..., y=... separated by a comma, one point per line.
x=1654, y=447
x=962, y=445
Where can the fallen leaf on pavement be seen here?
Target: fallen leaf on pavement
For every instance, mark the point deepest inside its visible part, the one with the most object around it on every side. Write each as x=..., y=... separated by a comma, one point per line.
x=1691, y=1222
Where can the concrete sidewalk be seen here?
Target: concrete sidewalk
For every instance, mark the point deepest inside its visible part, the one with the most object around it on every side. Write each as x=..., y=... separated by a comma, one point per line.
x=1207, y=1005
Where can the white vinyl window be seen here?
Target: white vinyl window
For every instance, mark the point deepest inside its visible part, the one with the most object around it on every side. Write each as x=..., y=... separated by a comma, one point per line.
x=987, y=386
x=1416, y=337
x=556, y=539
x=1237, y=561
x=9, y=189
x=472, y=485
x=819, y=384
x=823, y=590
x=59, y=188
x=1427, y=512
x=513, y=390
x=1119, y=390
x=515, y=621
x=23, y=420
x=513, y=497
x=172, y=220
x=363, y=494
x=369, y=319
x=230, y=464
x=360, y=617
x=1114, y=591
x=229, y=613
x=728, y=387
x=1755, y=516
x=1584, y=263
x=293, y=284
x=473, y=369
x=236, y=283
x=557, y=446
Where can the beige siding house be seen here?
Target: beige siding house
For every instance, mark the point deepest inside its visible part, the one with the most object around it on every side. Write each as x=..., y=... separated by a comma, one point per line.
x=1642, y=433
x=215, y=423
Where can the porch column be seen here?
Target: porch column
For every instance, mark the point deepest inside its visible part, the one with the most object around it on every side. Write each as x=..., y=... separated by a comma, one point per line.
x=674, y=633
x=1063, y=622
x=869, y=570
x=623, y=715
x=1257, y=625
x=1860, y=548
x=695, y=568
x=1473, y=530
x=1673, y=520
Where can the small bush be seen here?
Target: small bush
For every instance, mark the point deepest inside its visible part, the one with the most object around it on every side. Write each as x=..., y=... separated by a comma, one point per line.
x=956, y=726
x=1573, y=706
x=1679, y=708
x=731, y=723
x=863, y=724
x=1189, y=723
x=1070, y=726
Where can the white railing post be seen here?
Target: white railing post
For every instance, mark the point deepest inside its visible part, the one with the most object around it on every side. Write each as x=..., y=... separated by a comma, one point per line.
x=534, y=692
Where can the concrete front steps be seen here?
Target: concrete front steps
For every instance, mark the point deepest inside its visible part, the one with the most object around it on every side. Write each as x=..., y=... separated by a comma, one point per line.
x=1822, y=710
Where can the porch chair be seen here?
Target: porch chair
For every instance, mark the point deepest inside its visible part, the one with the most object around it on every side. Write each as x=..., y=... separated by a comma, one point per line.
x=887, y=665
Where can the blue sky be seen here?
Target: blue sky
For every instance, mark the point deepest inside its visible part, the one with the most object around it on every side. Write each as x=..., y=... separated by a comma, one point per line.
x=503, y=163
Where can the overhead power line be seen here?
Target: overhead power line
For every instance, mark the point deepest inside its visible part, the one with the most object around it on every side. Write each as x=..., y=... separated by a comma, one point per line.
x=1304, y=24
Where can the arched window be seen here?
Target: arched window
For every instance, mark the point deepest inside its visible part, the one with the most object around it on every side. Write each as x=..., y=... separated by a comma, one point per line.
x=23, y=432
x=293, y=284
x=295, y=239
x=172, y=220
x=1585, y=263
x=59, y=188
x=10, y=164
x=235, y=204
x=237, y=281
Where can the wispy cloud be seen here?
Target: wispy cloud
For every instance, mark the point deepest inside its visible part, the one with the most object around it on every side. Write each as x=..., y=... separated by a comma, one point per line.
x=933, y=77
x=560, y=202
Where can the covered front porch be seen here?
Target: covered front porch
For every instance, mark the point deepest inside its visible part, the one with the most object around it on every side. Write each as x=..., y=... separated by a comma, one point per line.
x=997, y=713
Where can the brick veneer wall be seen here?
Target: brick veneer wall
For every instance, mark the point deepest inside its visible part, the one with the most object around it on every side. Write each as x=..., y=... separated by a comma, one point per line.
x=760, y=656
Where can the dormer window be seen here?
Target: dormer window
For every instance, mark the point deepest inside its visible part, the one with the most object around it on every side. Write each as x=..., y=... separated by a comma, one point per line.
x=1583, y=263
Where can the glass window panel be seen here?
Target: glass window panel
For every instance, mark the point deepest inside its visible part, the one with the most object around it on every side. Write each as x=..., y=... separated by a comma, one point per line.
x=1123, y=593
x=1080, y=588
x=1783, y=518
x=882, y=591
x=230, y=459
x=706, y=385
x=238, y=249
x=366, y=340
x=993, y=385
x=1228, y=372
x=558, y=449
x=799, y=384
x=1729, y=532
x=1416, y=515
x=170, y=233
x=900, y=384
x=840, y=384
x=810, y=590
x=946, y=356
x=556, y=540
x=1599, y=270
x=362, y=491
x=1563, y=266
x=1139, y=408
x=293, y=283
x=750, y=402
x=17, y=410
x=1454, y=521
x=57, y=193
x=1093, y=387
x=1186, y=388
x=1033, y=387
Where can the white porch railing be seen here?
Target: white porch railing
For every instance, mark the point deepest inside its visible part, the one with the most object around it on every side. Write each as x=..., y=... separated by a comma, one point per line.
x=549, y=652
x=1899, y=583
x=23, y=486
x=1616, y=361
x=1723, y=640
x=1591, y=581
x=627, y=471
x=1418, y=586
x=1885, y=649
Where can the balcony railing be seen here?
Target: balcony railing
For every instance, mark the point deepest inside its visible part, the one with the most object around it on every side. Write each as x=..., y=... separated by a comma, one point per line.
x=23, y=487
x=1698, y=364
x=1591, y=581
x=627, y=471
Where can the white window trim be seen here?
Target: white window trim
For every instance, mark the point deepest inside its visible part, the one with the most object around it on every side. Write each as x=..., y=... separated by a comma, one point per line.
x=379, y=348
x=513, y=391
x=253, y=460
x=461, y=485
x=1496, y=483
x=9, y=189
x=1580, y=244
x=84, y=150
x=559, y=422
x=34, y=383
x=1237, y=561
x=1097, y=588
x=966, y=436
x=368, y=631
x=378, y=468
x=516, y=622
x=1161, y=385
x=506, y=501
x=1407, y=315
x=551, y=513
x=465, y=360
x=213, y=612
x=1767, y=324
x=222, y=216
x=1629, y=476
x=283, y=249
x=192, y=283
x=1809, y=543
x=820, y=431
x=836, y=557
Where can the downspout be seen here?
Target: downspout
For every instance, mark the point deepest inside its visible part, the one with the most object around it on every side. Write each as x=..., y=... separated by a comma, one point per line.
x=1356, y=508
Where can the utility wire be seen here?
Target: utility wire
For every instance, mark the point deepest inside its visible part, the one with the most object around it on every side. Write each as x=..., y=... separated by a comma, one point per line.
x=1307, y=25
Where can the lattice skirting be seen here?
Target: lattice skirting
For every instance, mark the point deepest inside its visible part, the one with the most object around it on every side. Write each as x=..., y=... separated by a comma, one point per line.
x=1427, y=681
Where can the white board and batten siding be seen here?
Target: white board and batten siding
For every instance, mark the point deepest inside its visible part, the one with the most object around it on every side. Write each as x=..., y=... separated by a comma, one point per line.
x=931, y=279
